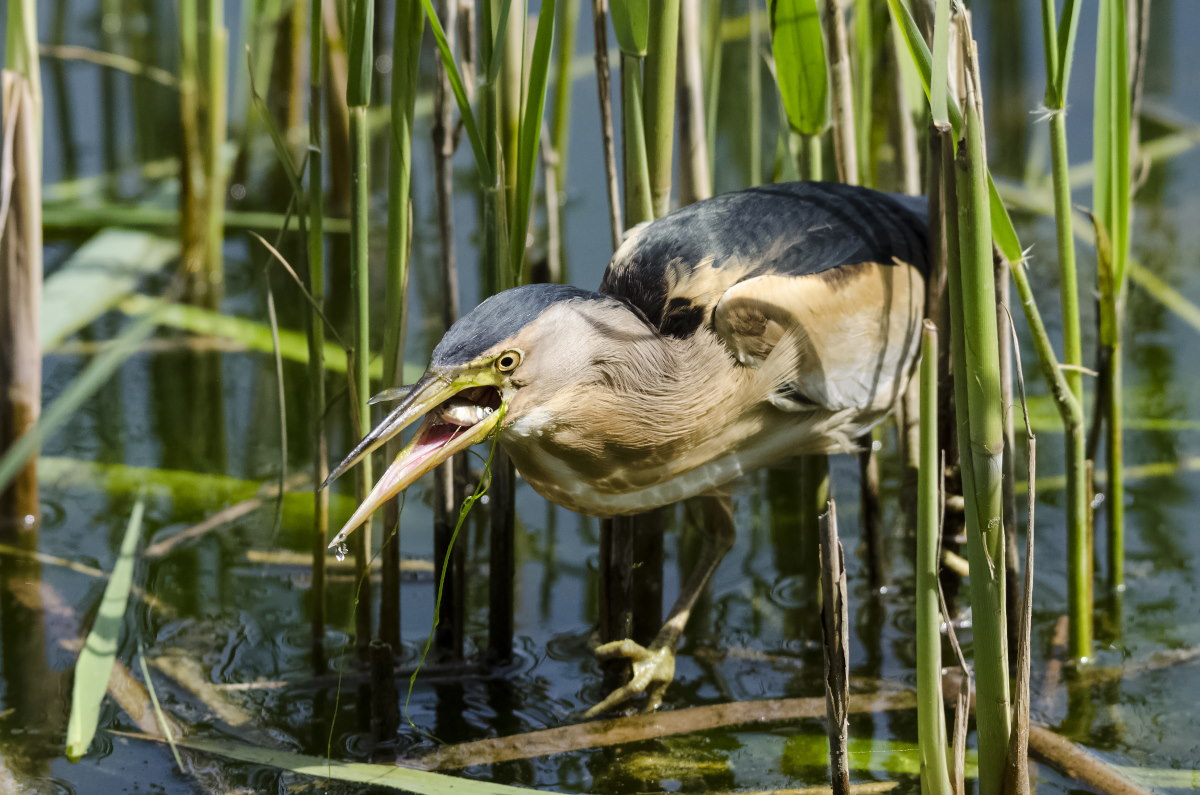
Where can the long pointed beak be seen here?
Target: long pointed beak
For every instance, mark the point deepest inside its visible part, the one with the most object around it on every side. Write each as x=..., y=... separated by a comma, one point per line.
x=436, y=440
x=422, y=397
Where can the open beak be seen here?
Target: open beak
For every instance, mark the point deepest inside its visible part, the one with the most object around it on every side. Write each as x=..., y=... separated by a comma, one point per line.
x=456, y=416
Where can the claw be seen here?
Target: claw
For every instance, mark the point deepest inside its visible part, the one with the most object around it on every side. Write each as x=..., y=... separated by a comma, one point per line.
x=653, y=670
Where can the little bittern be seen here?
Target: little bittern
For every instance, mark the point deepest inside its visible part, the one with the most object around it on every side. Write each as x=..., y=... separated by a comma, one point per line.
x=731, y=334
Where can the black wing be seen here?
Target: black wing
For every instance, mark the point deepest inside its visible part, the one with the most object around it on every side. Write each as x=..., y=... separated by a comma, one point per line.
x=675, y=269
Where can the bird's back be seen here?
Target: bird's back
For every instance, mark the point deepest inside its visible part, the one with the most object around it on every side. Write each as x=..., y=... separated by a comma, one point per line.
x=675, y=269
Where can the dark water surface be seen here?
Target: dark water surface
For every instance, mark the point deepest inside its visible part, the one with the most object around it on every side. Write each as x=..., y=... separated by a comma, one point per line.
x=207, y=416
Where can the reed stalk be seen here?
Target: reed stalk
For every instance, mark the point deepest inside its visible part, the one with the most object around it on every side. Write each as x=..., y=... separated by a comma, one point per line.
x=1059, y=43
x=981, y=429
x=695, y=177
x=931, y=713
x=560, y=127
x=358, y=97
x=20, y=274
x=316, y=331
x=448, y=495
x=214, y=168
x=754, y=103
x=661, y=60
x=604, y=92
x=1111, y=196
x=409, y=24
x=191, y=171
x=844, y=146
x=639, y=201
x=714, y=53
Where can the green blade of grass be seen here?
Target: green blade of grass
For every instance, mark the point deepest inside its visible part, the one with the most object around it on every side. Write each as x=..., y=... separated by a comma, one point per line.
x=95, y=662
x=401, y=778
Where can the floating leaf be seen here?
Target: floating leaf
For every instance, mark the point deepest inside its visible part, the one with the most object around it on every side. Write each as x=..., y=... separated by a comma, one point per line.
x=95, y=663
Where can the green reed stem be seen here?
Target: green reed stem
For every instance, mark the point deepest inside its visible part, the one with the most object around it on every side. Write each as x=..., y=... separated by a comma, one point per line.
x=1111, y=196
x=358, y=96
x=931, y=714
x=218, y=53
x=408, y=26
x=754, y=101
x=639, y=205
x=659, y=100
x=560, y=128
x=981, y=433
x=1058, y=46
x=316, y=331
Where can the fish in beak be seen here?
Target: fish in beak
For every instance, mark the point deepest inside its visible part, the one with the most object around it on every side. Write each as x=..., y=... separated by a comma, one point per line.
x=458, y=412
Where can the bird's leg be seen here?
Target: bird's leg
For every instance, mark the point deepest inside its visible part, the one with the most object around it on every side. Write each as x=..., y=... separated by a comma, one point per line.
x=654, y=665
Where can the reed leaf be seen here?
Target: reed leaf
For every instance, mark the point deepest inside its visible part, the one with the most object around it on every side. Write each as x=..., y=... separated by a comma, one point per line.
x=483, y=164
x=419, y=782
x=801, y=69
x=631, y=24
x=101, y=272
x=530, y=133
x=95, y=663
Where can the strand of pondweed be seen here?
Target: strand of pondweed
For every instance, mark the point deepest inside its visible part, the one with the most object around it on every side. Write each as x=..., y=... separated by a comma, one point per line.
x=484, y=482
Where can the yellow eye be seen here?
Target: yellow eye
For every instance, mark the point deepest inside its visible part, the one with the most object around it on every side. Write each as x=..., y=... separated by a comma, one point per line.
x=508, y=361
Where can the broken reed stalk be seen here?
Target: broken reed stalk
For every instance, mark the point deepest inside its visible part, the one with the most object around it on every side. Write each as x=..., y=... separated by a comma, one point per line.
x=316, y=332
x=1058, y=40
x=20, y=281
x=931, y=713
x=358, y=97
x=835, y=630
x=980, y=426
x=408, y=25
x=448, y=495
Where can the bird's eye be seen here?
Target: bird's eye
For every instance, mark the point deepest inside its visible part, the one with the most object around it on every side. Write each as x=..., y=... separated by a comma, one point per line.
x=508, y=361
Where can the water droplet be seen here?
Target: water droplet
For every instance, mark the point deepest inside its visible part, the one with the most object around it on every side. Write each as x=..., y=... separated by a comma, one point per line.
x=340, y=552
x=484, y=499
x=30, y=520
x=1098, y=500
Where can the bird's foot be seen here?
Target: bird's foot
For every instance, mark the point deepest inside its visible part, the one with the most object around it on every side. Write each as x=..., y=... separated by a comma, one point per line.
x=653, y=670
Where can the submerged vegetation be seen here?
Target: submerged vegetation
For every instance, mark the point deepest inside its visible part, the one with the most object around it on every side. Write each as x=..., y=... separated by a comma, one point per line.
x=445, y=147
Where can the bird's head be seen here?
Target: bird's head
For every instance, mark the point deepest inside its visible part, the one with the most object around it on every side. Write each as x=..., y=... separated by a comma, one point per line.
x=495, y=366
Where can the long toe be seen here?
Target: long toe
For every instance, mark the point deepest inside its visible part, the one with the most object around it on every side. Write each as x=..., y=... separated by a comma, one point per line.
x=653, y=671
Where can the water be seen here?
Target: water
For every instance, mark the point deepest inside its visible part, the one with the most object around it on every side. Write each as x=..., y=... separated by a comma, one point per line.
x=196, y=418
